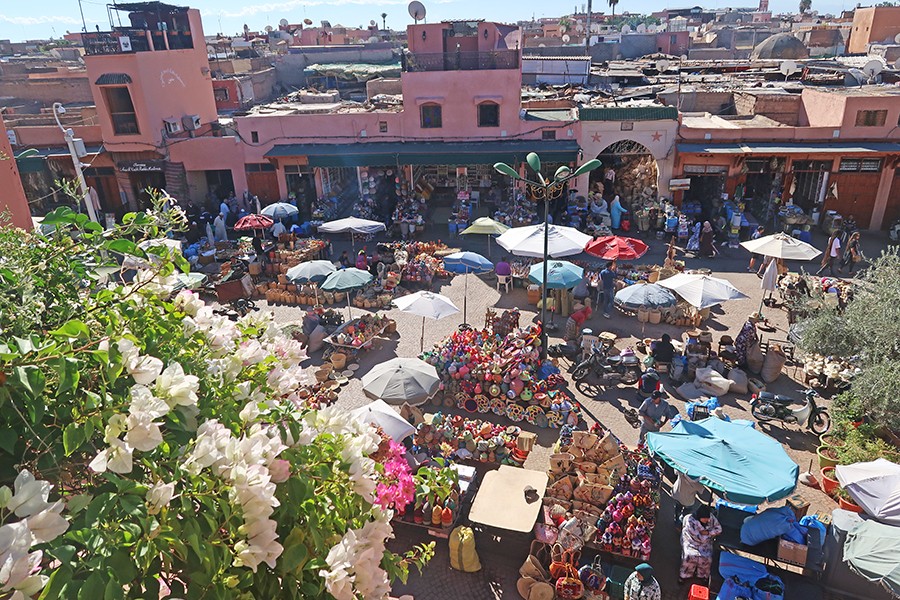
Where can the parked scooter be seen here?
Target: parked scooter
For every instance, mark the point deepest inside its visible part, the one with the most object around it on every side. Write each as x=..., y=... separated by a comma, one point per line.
x=767, y=407
x=611, y=369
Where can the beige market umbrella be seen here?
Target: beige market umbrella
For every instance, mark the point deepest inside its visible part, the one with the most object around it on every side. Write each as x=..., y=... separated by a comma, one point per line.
x=401, y=380
x=781, y=245
x=426, y=305
x=486, y=226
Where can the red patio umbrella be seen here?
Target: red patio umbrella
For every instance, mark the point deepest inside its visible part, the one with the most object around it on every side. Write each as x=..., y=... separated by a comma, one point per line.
x=613, y=247
x=253, y=222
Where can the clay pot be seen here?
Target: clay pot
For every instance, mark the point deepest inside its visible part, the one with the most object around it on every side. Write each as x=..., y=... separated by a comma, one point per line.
x=827, y=456
x=849, y=505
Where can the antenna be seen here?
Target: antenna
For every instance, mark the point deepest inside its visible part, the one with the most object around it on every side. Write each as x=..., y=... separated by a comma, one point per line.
x=872, y=69
x=788, y=68
x=416, y=10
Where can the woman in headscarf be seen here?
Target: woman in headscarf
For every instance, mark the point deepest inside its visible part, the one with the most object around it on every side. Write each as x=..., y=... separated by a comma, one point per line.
x=744, y=341
x=221, y=233
x=694, y=242
x=642, y=585
x=707, y=237
x=616, y=210
x=697, y=533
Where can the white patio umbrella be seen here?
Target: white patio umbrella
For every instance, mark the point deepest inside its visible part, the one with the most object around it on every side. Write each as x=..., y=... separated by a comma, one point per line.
x=316, y=271
x=279, y=210
x=702, y=291
x=352, y=225
x=875, y=486
x=781, y=245
x=402, y=380
x=529, y=241
x=379, y=413
x=426, y=305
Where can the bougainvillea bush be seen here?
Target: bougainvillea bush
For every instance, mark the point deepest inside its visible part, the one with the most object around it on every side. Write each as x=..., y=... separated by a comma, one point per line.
x=153, y=448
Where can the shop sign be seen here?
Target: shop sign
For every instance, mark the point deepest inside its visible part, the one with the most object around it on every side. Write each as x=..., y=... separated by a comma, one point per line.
x=679, y=184
x=147, y=166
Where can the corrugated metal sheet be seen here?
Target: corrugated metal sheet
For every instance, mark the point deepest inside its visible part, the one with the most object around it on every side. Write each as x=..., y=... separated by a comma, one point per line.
x=629, y=113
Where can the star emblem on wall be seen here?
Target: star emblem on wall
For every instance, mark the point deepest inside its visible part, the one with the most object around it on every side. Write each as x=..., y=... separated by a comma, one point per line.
x=656, y=136
x=596, y=138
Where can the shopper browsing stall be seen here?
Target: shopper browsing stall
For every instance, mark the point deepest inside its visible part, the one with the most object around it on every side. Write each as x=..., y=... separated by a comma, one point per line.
x=642, y=585
x=832, y=254
x=662, y=351
x=654, y=413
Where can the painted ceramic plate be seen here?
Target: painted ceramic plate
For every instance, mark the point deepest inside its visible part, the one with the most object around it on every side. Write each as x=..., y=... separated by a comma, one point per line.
x=515, y=412
x=532, y=412
x=484, y=405
x=554, y=419
x=498, y=406
x=347, y=373
x=352, y=367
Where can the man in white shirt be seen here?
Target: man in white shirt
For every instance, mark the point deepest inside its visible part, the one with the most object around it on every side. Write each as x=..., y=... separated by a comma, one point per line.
x=833, y=254
x=277, y=229
x=223, y=208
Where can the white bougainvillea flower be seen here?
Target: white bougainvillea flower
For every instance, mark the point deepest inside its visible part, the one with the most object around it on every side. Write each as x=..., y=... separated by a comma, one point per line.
x=177, y=388
x=188, y=302
x=251, y=352
x=145, y=403
x=280, y=470
x=144, y=369
x=116, y=426
x=143, y=433
x=48, y=524
x=15, y=538
x=159, y=495
x=17, y=569
x=117, y=458
x=128, y=350
x=30, y=495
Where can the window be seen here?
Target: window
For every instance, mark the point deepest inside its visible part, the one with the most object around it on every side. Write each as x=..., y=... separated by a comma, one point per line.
x=254, y=137
x=673, y=39
x=221, y=94
x=871, y=118
x=489, y=114
x=548, y=135
x=431, y=116
x=121, y=110
x=382, y=126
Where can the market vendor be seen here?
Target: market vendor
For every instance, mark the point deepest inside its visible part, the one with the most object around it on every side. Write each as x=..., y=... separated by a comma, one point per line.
x=608, y=279
x=662, y=351
x=654, y=413
x=345, y=260
x=503, y=268
x=745, y=340
x=698, y=531
x=361, y=262
x=642, y=585
x=277, y=229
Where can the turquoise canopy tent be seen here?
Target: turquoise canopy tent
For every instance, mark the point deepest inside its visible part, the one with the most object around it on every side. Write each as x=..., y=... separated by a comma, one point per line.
x=873, y=551
x=733, y=459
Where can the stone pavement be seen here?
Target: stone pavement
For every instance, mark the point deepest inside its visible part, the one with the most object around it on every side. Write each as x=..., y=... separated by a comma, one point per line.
x=501, y=560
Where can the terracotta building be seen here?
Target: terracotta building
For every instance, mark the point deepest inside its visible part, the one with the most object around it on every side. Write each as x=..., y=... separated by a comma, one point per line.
x=872, y=25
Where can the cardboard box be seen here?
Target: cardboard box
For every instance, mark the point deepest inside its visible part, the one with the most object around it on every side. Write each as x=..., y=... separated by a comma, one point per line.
x=792, y=553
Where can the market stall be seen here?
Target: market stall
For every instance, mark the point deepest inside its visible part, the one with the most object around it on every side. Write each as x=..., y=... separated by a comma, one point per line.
x=359, y=334
x=472, y=440
x=518, y=491
x=498, y=370
x=442, y=492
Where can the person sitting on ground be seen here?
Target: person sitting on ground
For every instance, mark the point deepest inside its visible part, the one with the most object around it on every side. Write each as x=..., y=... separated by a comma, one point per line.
x=345, y=260
x=648, y=383
x=642, y=585
x=663, y=351
x=503, y=268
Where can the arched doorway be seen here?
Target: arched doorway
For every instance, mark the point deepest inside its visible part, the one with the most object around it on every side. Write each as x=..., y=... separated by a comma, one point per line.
x=635, y=172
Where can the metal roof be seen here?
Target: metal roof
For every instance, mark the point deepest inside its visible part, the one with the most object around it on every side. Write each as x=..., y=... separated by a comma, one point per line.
x=628, y=113
x=824, y=147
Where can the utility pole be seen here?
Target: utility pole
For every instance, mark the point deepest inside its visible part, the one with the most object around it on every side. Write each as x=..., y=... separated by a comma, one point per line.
x=69, y=134
x=83, y=23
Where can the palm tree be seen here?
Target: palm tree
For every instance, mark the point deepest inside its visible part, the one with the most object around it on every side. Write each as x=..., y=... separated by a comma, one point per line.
x=384, y=21
x=612, y=5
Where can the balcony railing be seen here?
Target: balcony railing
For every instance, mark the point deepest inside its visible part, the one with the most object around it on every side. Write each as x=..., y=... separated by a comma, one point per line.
x=128, y=41
x=461, y=61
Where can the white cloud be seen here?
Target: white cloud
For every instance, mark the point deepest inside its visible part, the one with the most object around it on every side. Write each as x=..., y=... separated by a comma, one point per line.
x=41, y=20
x=277, y=7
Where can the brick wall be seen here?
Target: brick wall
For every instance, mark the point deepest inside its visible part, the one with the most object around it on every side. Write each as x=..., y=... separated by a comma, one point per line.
x=47, y=91
x=784, y=108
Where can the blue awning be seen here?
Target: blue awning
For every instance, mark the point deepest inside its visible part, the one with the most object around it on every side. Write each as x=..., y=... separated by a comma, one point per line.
x=384, y=154
x=790, y=148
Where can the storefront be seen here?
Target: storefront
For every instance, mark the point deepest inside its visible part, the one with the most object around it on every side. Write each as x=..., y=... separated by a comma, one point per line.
x=706, y=190
x=142, y=176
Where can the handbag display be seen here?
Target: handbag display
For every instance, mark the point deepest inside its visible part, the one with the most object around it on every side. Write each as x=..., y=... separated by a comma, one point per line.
x=561, y=560
x=569, y=586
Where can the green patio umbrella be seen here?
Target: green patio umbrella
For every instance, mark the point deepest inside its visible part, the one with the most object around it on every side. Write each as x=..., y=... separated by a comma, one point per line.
x=872, y=550
x=347, y=280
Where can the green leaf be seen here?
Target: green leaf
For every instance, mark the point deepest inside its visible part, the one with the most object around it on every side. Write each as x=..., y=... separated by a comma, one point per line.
x=125, y=247
x=113, y=591
x=8, y=440
x=93, y=588
x=57, y=584
x=73, y=437
x=31, y=379
x=78, y=503
x=72, y=329
x=123, y=567
x=62, y=553
x=67, y=368
x=295, y=551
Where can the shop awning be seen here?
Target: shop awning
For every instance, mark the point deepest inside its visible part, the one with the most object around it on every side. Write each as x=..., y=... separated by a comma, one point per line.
x=384, y=154
x=63, y=152
x=791, y=148
x=113, y=79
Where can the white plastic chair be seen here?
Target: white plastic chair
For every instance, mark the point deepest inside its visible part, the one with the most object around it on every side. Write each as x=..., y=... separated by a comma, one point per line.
x=505, y=281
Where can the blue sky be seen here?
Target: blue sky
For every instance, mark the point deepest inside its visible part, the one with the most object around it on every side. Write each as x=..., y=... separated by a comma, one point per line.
x=23, y=20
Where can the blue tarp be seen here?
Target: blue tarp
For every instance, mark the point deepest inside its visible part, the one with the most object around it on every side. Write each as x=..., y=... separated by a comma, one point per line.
x=737, y=461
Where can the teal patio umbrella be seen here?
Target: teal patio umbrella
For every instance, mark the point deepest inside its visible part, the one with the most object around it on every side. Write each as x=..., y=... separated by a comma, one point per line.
x=347, y=280
x=561, y=274
x=733, y=459
x=872, y=550
x=467, y=262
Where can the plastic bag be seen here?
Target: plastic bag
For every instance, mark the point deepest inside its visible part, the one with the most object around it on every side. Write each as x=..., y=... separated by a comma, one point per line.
x=769, y=524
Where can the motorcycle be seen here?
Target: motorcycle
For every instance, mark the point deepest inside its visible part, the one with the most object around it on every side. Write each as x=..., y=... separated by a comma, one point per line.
x=610, y=369
x=766, y=407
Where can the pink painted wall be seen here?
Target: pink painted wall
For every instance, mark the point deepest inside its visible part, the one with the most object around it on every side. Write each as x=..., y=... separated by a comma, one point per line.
x=12, y=200
x=50, y=135
x=172, y=83
x=215, y=153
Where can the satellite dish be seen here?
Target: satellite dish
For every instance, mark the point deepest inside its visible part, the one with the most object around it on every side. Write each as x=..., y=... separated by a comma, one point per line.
x=651, y=28
x=897, y=39
x=307, y=21
x=283, y=22
x=579, y=28
x=269, y=29
x=211, y=50
x=566, y=38
x=372, y=40
x=872, y=68
x=788, y=68
x=326, y=24
x=641, y=28
x=542, y=45
x=626, y=29
x=372, y=23
x=662, y=66
x=416, y=10
x=858, y=75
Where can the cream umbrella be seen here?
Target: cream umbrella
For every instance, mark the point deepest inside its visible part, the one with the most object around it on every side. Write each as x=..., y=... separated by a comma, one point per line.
x=426, y=305
x=702, y=291
x=486, y=226
x=781, y=245
x=529, y=241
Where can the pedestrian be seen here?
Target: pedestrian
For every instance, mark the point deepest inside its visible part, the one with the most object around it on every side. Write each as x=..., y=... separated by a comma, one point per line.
x=698, y=530
x=852, y=254
x=642, y=585
x=654, y=412
x=258, y=250
x=277, y=229
x=755, y=236
x=832, y=254
x=707, y=240
x=616, y=210
x=685, y=492
x=361, y=262
x=221, y=234
x=608, y=280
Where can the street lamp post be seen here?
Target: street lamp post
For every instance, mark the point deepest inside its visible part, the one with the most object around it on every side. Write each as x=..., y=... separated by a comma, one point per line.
x=69, y=134
x=544, y=190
